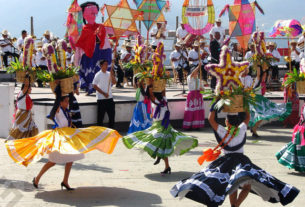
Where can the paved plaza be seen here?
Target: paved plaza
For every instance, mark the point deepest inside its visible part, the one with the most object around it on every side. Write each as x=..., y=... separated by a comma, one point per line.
x=129, y=178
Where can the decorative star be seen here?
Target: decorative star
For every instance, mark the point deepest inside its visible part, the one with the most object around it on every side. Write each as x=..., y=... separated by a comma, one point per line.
x=227, y=72
x=122, y=19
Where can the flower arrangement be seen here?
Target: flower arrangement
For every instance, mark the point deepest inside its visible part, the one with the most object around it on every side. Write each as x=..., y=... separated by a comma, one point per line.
x=294, y=77
x=47, y=77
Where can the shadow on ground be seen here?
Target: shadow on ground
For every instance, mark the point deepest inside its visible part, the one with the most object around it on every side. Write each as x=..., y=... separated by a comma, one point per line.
x=174, y=177
x=79, y=166
x=16, y=185
x=100, y=196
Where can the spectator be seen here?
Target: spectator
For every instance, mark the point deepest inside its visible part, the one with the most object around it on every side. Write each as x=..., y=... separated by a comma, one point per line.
x=274, y=64
x=295, y=56
x=215, y=53
x=20, y=41
x=220, y=29
x=181, y=33
x=248, y=56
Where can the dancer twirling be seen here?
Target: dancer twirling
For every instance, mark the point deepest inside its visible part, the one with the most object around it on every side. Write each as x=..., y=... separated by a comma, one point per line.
x=232, y=171
x=63, y=144
x=24, y=125
x=161, y=140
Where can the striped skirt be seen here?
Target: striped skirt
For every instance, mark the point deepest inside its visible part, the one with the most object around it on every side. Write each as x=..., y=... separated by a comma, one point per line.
x=63, y=141
x=24, y=126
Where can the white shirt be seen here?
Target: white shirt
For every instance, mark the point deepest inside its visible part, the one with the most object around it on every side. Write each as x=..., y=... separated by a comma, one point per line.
x=69, y=55
x=61, y=119
x=221, y=30
x=21, y=104
x=181, y=33
x=20, y=43
x=295, y=56
x=246, y=81
x=194, y=55
x=7, y=48
x=302, y=39
x=124, y=55
x=205, y=60
x=192, y=85
x=154, y=31
x=103, y=81
x=248, y=56
x=175, y=54
x=221, y=131
x=45, y=41
x=275, y=54
x=38, y=60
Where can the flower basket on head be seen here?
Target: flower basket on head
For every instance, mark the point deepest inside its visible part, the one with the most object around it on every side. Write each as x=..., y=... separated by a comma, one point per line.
x=75, y=78
x=159, y=85
x=21, y=71
x=20, y=76
x=301, y=87
x=66, y=85
x=236, y=104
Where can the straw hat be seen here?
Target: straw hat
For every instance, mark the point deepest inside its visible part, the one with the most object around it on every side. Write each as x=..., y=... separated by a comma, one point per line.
x=47, y=32
x=196, y=44
x=178, y=44
x=202, y=41
x=5, y=32
x=39, y=44
x=218, y=20
x=293, y=42
x=128, y=44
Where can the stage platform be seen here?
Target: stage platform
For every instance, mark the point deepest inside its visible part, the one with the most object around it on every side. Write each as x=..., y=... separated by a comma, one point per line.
x=124, y=102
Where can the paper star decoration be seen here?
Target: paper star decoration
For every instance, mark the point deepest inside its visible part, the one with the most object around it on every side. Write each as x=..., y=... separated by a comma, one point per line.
x=227, y=72
x=122, y=19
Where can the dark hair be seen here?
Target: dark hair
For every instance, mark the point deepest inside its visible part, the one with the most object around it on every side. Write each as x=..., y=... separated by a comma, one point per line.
x=86, y=4
x=158, y=96
x=23, y=32
x=62, y=98
x=101, y=62
x=236, y=120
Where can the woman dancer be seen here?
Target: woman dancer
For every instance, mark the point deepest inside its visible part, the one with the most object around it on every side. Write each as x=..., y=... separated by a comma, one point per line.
x=74, y=106
x=265, y=110
x=141, y=119
x=24, y=125
x=292, y=155
x=232, y=171
x=161, y=140
x=194, y=108
x=63, y=144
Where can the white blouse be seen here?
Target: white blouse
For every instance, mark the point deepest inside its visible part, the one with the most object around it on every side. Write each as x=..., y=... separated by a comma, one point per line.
x=61, y=119
x=193, y=83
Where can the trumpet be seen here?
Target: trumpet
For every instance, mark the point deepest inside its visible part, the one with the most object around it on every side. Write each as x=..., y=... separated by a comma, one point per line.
x=12, y=40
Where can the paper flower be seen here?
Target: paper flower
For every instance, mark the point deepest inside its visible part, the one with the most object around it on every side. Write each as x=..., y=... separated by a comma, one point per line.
x=49, y=53
x=28, y=51
x=227, y=72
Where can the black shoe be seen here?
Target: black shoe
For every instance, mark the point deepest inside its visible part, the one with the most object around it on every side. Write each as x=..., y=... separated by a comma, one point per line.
x=255, y=135
x=34, y=184
x=67, y=188
x=166, y=171
x=157, y=161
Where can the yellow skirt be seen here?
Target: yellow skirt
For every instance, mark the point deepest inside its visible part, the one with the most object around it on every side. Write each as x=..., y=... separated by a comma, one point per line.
x=63, y=140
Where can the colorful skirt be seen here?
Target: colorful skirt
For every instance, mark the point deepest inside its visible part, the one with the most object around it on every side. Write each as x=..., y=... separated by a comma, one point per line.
x=89, y=67
x=140, y=120
x=24, y=126
x=293, y=154
x=225, y=175
x=266, y=110
x=160, y=142
x=63, y=141
x=75, y=113
x=194, y=111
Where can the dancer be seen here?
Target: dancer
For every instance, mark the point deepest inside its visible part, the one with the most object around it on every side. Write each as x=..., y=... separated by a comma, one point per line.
x=292, y=155
x=63, y=144
x=232, y=171
x=141, y=118
x=74, y=106
x=161, y=140
x=24, y=125
x=265, y=110
x=194, y=108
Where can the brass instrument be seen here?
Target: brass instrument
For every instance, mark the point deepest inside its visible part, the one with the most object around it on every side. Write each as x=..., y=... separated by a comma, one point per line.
x=160, y=31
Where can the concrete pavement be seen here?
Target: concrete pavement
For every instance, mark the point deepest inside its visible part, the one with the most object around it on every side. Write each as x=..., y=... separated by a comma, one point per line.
x=129, y=178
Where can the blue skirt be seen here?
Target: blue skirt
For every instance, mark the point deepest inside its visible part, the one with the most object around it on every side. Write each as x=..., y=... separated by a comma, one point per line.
x=89, y=67
x=141, y=120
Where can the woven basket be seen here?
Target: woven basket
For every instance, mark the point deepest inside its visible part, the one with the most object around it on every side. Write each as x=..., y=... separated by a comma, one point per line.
x=20, y=76
x=75, y=78
x=301, y=87
x=159, y=85
x=66, y=86
x=237, y=105
x=148, y=81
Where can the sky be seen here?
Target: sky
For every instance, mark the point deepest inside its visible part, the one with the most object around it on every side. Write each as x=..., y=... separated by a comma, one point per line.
x=51, y=14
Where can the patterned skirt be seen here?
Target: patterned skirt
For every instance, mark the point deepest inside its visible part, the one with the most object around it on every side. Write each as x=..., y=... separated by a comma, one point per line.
x=75, y=113
x=194, y=111
x=60, y=142
x=225, y=175
x=266, y=110
x=140, y=120
x=160, y=142
x=24, y=126
x=293, y=154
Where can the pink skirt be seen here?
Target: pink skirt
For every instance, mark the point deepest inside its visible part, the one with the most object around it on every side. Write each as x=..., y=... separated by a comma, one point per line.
x=194, y=111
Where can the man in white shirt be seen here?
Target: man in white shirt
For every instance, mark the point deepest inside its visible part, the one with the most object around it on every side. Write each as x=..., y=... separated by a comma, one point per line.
x=47, y=37
x=301, y=43
x=248, y=56
x=41, y=61
x=178, y=59
x=181, y=33
x=7, y=48
x=295, y=56
x=204, y=59
x=220, y=29
x=126, y=57
x=274, y=64
x=69, y=54
x=102, y=82
x=158, y=33
x=20, y=41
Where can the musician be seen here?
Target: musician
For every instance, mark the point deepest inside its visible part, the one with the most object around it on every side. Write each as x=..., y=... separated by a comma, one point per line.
x=7, y=47
x=181, y=33
x=69, y=54
x=236, y=54
x=116, y=61
x=205, y=53
x=215, y=53
x=220, y=29
x=158, y=33
x=274, y=64
x=248, y=56
x=179, y=60
x=41, y=61
x=301, y=43
x=46, y=37
x=295, y=56
x=126, y=57
x=20, y=41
